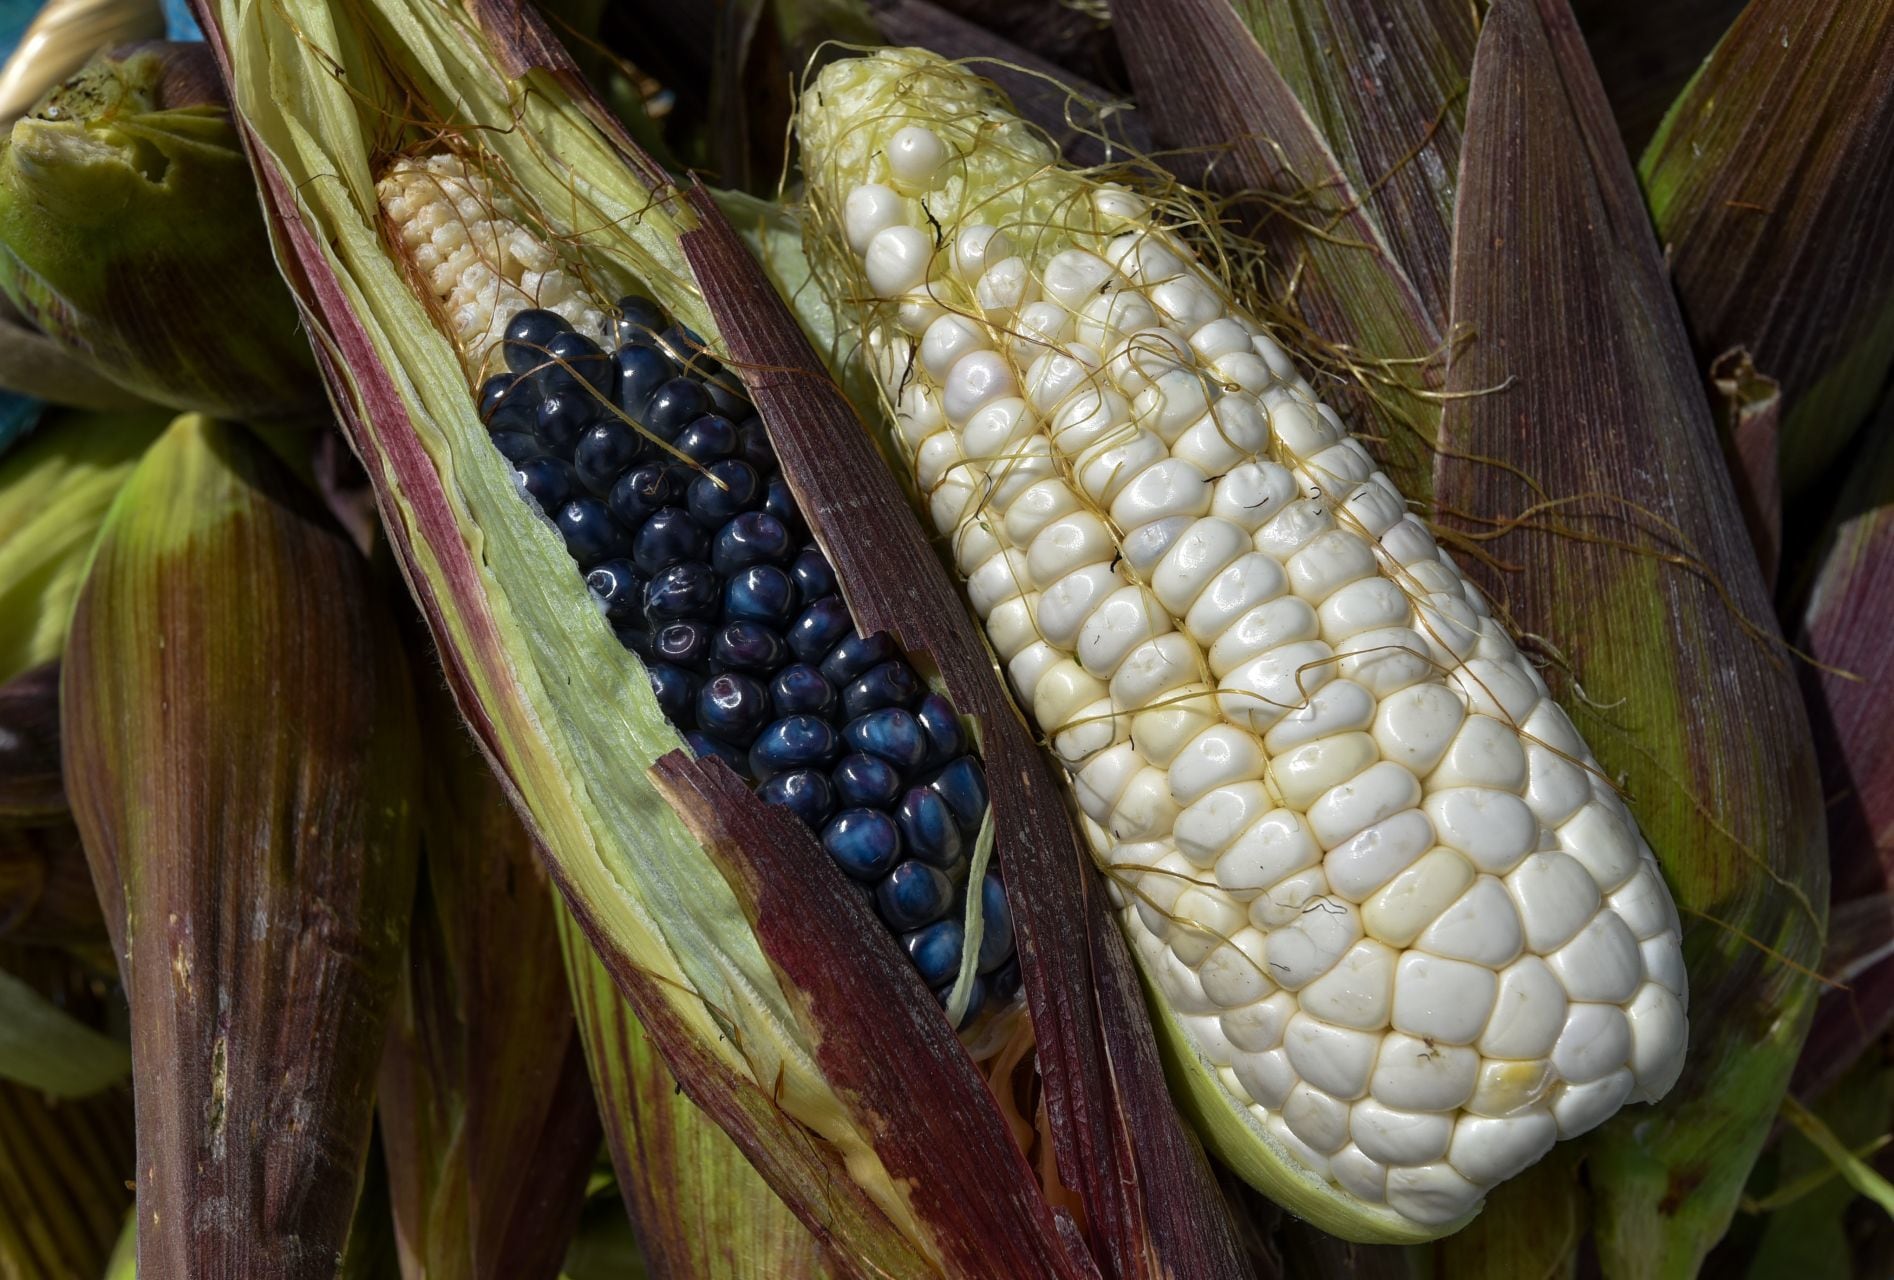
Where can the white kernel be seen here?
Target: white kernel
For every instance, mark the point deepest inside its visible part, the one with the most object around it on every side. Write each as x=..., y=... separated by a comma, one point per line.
x=1037, y=506
x=870, y=209
x=1293, y=528
x=1528, y=1012
x=1030, y=665
x=1210, y=546
x=1449, y=627
x=1062, y=691
x=1037, y=328
x=1099, y=784
x=897, y=259
x=1108, y=315
x=1066, y=604
x=1490, y=1150
x=1055, y=375
x=1312, y=943
x=1010, y=627
x=1269, y=851
x=1143, y=257
x=1153, y=669
x=1360, y=1176
x=974, y=542
x=1447, y=1001
x=1605, y=844
x=1301, y=430
x=1068, y=544
x=1418, y=1075
x=1506, y=1088
x=1408, y=542
x=1122, y=621
x=1339, y=706
x=1431, y=1194
x=1147, y=544
x=1144, y=810
x=1092, y=729
x=916, y=309
x=1279, y=362
x=918, y=415
x=1107, y=467
x=1385, y=661
x=1374, y=509
x=1303, y=773
x=1162, y=731
x=1415, y=725
x=1241, y=584
x=1004, y=289
x=1003, y=577
x=1219, y=756
x=1555, y=786
x=1301, y=1152
x=1189, y=304
x=1379, y=791
x=1643, y=903
x=1495, y=690
x=976, y=379
x=1409, y=903
x=1267, y=1078
x=1144, y=356
x=952, y=500
x=1169, y=488
x=1090, y=414
x=1258, y=1028
x=1283, y=903
x=914, y=155
x=1233, y=432
x=1595, y=1041
x=1250, y=495
x=997, y=430
x=937, y=455
x=1658, y=1034
x=1029, y=462
x=1357, y=992
x=1493, y=829
x=1582, y=1108
x=1399, y=1137
x=1173, y=400
x=1366, y=861
x=1114, y=203
x=1269, y=686
x=1277, y=622
x=1218, y=337
x=1601, y=963
x=1481, y=927
x=1365, y=605
x=977, y=247
x=1340, y=467
x=946, y=340
x=1232, y=974
x=1242, y=371
x=1209, y=823
x=1073, y=277
x=1335, y=1060
x=1485, y=753
x=1555, y=896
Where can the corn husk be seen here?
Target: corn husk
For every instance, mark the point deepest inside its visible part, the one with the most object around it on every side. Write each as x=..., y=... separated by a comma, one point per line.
x=64, y=1166
x=63, y=36
x=1645, y=66
x=238, y=745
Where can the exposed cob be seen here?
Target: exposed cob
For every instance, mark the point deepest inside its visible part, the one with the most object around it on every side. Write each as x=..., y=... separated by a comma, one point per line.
x=644, y=453
x=1408, y=930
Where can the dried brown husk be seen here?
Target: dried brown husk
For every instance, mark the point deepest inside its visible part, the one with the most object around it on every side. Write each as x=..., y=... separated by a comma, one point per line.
x=239, y=748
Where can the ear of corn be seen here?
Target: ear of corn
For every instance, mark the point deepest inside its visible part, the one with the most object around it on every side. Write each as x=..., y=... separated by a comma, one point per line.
x=1402, y=933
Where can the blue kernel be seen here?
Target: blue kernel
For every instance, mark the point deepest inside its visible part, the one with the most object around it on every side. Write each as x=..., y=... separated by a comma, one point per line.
x=723, y=491
x=814, y=577
x=547, y=481
x=891, y=733
x=935, y=950
x=782, y=504
x=591, y=535
x=690, y=351
x=604, y=450
x=575, y=364
x=516, y=446
x=804, y=792
x=866, y=782
x=669, y=537
x=754, y=537
x=914, y=894
x=761, y=593
x=799, y=689
x=888, y=684
x=526, y=338
x=645, y=490
x=819, y=628
x=674, y=406
x=945, y=738
x=687, y=590
x=560, y=419
x=684, y=644
x=727, y=397
x=753, y=444
x=747, y=646
x=733, y=707
x=710, y=438
x=503, y=410
x=794, y=742
x=619, y=590
x=702, y=744
x=996, y=925
x=962, y=784
x=635, y=638
x=642, y=369
x=638, y=314
x=853, y=655
x=864, y=843
x=676, y=690
x=928, y=826
x=1005, y=982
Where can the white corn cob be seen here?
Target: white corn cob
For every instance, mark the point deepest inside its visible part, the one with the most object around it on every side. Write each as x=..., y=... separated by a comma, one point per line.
x=1364, y=856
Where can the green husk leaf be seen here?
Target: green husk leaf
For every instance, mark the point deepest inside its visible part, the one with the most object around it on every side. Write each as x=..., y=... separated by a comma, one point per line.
x=62, y=36
x=46, y=1049
x=1348, y=192
x=486, y=1116
x=1770, y=187
x=1641, y=579
x=240, y=748
x=129, y=235
x=55, y=488
x=32, y=364
x=64, y=1169
x=1532, y=1226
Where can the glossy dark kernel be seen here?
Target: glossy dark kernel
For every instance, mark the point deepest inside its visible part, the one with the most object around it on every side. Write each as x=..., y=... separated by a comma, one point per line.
x=640, y=371
x=690, y=351
x=935, y=950
x=619, y=590
x=807, y=793
x=976, y=998
x=799, y=690
x=912, y=895
x=547, y=481
x=676, y=690
x=747, y=646
x=733, y=707
x=669, y=537
x=645, y=490
x=524, y=345
x=866, y=781
x=675, y=405
x=506, y=404
x=996, y=925
x=603, y=452
x=863, y=842
x=638, y=316
x=687, y=644
x=575, y=364
x=1004, y=982
x=727, y=398
x=687, y=590
x=754, y=537
x=928, y=826
x=945, y=738
x=753, y=444
x=892, y=734
x=761, y=593
x=813, y=574
x=560, y=419
x=819, y=628
x=794, y=742
x=517, y=446
x=723, y=491
x=591, y=535
x=782, y=504
x=711, y=438
x=887, y=684
x=962, y=784
x=703, y=745
x=852, y=655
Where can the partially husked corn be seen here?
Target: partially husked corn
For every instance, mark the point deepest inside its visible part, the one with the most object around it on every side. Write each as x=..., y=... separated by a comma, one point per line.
x=1368, y=862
